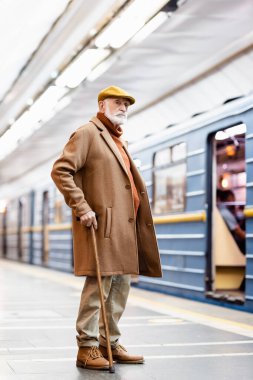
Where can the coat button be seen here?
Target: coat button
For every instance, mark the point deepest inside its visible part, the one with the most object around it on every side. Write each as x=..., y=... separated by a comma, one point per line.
x=131, y=220
x=142, y=193
x=149, y=224
x=128, y=187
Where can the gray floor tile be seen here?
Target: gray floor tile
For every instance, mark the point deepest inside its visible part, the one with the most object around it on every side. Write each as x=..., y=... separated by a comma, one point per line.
x=37, y=338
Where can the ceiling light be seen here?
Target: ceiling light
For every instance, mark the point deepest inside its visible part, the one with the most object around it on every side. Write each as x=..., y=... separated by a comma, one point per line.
x=79, y=69
x=54, y=74
x=150, y=27
x=101, y=68
x=8, y=143
x=23, y=127
x=11, y=121
x=92, y=32
x=46, y=102
x=125, y=26
x=29, y=101
x=43, y=109
x=119, y=32
x=64, y=102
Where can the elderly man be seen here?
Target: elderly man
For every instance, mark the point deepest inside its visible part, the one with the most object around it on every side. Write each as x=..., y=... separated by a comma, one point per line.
x=101, y=184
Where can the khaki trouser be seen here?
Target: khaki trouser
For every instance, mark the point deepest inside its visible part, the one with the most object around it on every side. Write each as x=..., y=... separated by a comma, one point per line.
x=89, y=321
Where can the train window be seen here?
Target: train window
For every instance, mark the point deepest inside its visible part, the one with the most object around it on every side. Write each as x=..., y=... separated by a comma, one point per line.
x=58, y=216
x=178, y=152
x=169, y=179
x=58, y=207
x=162, y=157
x=137, y=162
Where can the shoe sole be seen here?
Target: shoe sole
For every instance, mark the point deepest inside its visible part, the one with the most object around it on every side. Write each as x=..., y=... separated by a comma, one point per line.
x=81, y=365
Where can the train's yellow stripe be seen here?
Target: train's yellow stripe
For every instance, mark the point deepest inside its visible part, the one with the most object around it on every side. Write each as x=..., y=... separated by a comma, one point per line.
x=191, y=217
x=180, y=218
x=173, y=218
x=27, y=229
x=248, y=212
x=11, y=231
x=59, y=227
x=48, y=227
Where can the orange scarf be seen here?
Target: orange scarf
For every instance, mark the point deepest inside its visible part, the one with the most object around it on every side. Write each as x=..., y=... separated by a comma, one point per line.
x=116, y=132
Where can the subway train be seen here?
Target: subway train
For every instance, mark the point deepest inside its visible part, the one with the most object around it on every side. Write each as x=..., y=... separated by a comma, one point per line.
x=197, y=174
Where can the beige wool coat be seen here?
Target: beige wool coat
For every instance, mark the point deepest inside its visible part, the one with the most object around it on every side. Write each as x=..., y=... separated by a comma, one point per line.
x=91, y=175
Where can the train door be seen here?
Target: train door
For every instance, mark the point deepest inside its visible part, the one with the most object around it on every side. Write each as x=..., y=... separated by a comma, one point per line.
x=228, y=259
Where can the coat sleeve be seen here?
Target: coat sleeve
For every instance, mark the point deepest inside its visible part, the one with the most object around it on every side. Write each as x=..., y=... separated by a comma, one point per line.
x=70, y=162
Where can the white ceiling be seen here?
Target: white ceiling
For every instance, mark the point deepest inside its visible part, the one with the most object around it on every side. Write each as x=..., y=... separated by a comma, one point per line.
x=23, y=25
x=192, y=63
x=73, y=25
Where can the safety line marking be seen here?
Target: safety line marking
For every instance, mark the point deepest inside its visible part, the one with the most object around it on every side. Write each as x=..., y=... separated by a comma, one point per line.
x=146, y=357
x=195, y=344
x=199, y=355
x=217, y=322
x=8, y=319
x=57, y=327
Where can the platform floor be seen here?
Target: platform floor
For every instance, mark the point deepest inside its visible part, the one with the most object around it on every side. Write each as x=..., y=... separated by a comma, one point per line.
x=180, y=339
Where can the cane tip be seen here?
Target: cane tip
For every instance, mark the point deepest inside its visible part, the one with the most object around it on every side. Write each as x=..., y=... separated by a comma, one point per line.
x=112, y=369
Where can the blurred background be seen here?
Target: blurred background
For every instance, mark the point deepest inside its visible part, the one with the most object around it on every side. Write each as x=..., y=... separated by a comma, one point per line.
x=188, y=63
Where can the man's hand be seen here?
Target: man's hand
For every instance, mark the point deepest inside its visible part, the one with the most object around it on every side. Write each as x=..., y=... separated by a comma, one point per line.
x=88, y=219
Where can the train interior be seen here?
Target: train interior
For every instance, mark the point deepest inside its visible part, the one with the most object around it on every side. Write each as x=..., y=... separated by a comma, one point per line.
x=228, y=221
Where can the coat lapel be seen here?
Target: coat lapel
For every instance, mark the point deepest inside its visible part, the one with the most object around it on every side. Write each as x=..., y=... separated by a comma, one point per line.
x=109, y=141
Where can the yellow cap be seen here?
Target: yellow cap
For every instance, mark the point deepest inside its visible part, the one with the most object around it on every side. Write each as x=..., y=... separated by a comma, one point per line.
x=115, y=92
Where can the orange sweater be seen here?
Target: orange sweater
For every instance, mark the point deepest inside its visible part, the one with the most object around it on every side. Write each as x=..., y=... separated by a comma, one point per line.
x=116, y=132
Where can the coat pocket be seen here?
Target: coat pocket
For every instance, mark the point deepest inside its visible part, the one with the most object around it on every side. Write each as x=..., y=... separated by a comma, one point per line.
x=108, y=222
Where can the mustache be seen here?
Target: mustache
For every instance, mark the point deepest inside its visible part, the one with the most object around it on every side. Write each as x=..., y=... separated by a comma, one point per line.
x=121, y=114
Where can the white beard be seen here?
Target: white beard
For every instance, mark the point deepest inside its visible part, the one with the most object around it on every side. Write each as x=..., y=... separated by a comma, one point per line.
x=118, y=119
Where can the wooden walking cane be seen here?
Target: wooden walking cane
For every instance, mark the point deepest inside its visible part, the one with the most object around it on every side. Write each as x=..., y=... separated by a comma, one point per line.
x=102, y=302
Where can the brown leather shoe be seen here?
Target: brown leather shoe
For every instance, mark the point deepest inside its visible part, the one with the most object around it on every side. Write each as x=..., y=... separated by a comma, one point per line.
x=91, y=358
x=120, y=355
